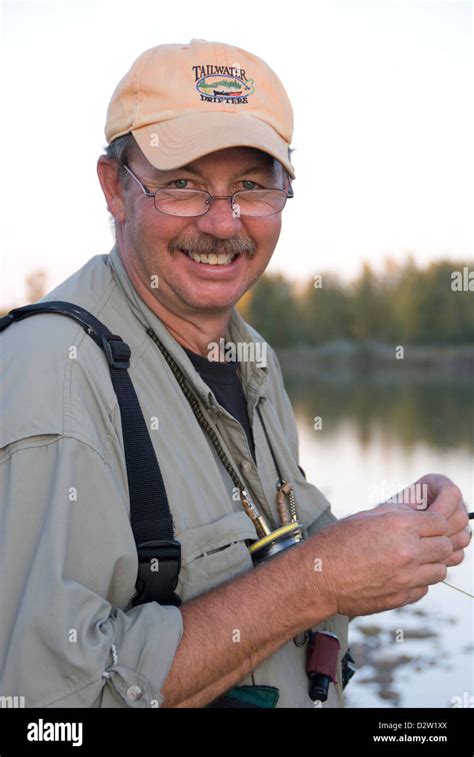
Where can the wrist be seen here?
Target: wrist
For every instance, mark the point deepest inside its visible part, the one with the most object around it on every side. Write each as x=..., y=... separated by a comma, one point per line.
x=313, y=569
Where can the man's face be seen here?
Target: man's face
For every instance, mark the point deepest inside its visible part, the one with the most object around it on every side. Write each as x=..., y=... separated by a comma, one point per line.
x=157, y=244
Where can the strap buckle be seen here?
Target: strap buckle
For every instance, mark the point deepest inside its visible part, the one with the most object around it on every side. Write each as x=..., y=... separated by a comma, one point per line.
x=116, y=350
x=159, y=563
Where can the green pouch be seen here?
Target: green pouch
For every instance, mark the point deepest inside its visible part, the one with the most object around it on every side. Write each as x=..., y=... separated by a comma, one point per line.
x=247, y=696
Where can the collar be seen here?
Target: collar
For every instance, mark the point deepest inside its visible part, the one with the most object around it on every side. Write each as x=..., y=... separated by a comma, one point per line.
x=221, y=371
x=253, y=376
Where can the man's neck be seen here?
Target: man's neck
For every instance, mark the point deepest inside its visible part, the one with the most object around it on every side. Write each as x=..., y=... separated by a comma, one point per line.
x=194, y=335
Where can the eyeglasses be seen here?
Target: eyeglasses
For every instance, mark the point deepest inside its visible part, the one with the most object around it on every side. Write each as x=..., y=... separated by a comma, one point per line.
x=196, y=202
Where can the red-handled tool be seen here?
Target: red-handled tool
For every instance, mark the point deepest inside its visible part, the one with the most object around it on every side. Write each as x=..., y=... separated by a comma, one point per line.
x=321, y=663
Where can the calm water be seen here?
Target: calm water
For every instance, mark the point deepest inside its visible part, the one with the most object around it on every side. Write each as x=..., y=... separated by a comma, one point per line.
x=376, y=438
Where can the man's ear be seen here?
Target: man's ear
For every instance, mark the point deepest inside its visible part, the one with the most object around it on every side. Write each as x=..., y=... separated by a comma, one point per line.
x=109, y=177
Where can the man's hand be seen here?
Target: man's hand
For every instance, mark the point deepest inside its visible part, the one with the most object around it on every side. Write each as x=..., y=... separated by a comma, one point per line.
x=379, y=559
x=437, y=493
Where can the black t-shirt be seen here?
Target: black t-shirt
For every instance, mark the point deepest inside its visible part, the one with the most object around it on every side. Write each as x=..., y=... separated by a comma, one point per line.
x=224, y=381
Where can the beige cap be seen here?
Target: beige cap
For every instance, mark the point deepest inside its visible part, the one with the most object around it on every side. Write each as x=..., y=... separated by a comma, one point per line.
x=184, y=101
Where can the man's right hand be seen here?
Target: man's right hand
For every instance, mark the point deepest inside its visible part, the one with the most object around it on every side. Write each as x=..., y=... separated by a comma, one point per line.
x=379, y=559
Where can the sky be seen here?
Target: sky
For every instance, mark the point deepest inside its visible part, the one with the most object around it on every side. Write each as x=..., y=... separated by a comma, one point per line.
x=383, y=107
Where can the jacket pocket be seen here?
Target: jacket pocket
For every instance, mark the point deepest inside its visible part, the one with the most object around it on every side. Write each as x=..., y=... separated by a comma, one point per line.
x=214, y=553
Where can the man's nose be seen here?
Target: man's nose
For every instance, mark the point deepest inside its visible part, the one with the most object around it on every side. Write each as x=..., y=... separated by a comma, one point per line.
x=220, y=220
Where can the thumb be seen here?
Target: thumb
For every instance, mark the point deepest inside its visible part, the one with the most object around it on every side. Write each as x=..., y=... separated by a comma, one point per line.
x=448, y=499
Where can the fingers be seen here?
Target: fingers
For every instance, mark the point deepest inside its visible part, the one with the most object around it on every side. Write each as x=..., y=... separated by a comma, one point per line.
x=414, y=595
x=458, y=521
x=462, y=539
x=422, y=493
x=431, y=523
x=417, y=594
x=423, y=576
x=430, y=574
x=448, y=499
x=408, y=597
x=459, y=541
x=448, y=550
x=435, y=549
x=456, y=559
x=433, y=482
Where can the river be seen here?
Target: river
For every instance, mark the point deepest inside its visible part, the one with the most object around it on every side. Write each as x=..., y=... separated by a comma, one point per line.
x=376, y=437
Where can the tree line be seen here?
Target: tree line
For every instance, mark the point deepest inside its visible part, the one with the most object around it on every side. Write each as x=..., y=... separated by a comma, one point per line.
x=402, y=304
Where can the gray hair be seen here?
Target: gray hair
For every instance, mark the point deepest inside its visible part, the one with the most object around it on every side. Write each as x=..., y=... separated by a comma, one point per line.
x=118, y=150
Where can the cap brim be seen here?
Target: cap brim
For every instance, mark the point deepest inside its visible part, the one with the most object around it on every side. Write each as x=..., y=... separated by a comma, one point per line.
x=178, y=141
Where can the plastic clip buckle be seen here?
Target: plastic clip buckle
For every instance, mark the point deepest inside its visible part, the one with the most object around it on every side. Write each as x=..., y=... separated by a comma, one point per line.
x=159, y=563
x=117, y=351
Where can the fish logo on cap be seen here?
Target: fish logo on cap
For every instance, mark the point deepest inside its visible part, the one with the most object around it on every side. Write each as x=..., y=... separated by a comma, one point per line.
x=223, y=84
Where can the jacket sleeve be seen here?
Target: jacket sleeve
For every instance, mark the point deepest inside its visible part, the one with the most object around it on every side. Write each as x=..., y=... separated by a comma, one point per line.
x=68, y=567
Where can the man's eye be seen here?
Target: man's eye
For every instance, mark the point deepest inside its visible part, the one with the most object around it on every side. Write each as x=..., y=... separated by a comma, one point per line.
x=247, y=181
x=182, y=184
x=179, y=183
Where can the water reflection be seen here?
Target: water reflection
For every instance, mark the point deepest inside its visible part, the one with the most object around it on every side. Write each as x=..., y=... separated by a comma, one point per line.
x=439, y=414
x=378, y=431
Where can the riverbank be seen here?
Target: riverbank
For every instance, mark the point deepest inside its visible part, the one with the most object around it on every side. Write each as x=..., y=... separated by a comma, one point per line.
x=351, y=359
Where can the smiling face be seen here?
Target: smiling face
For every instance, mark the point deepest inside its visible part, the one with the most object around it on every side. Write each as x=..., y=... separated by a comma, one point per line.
x=154, y=244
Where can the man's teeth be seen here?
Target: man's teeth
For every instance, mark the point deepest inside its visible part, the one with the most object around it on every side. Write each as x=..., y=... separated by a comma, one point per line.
x=223, y=258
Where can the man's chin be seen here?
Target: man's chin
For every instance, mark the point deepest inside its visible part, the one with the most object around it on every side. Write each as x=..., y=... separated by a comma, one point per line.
x=211, y=305
x=207, y=296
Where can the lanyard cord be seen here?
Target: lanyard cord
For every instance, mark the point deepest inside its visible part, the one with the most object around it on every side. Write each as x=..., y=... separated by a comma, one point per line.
x=191, y=397
x=193, y=401
x=283, y=487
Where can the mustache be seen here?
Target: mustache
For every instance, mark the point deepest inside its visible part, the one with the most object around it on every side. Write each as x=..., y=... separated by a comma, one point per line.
x=207, y=244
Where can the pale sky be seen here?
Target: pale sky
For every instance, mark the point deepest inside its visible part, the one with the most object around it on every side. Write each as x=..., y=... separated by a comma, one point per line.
x=383, y=102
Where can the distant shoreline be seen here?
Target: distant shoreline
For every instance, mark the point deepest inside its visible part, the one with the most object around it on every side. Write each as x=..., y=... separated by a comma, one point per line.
x=355, y=360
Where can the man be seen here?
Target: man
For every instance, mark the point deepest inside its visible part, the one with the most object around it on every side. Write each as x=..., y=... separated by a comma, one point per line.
x=187, y=127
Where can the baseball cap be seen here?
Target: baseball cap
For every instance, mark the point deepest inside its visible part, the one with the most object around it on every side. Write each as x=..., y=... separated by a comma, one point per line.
x=183, y=101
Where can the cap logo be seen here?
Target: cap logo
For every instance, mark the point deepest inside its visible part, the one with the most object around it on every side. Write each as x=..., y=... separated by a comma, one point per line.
x=218, y=84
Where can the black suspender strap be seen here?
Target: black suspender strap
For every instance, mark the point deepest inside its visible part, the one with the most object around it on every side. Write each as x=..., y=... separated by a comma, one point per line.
x=159, y=554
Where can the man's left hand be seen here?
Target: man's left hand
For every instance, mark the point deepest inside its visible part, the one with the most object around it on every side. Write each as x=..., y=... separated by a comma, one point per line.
x=440, y=494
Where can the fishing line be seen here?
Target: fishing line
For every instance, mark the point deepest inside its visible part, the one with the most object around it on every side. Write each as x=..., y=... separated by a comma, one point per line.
x=456, y=588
